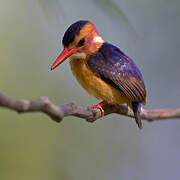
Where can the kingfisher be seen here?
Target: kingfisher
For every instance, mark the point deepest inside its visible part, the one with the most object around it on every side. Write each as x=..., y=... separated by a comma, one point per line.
x=102, y=69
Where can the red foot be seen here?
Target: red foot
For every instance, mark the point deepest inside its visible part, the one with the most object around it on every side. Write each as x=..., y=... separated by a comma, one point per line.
x=116, y=105
x=99, y=106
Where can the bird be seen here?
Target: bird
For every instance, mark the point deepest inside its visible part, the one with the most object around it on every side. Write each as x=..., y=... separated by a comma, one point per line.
x=102, y=69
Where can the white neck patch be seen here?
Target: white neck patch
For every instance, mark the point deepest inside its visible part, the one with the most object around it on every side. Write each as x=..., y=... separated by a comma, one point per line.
x=98, y=39
x=79, y=55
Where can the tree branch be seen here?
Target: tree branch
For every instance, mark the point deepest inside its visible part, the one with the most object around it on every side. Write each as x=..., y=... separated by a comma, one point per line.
x=57, y=113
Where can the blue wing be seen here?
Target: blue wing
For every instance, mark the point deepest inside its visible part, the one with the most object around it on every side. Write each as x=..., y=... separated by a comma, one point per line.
x=118, y=70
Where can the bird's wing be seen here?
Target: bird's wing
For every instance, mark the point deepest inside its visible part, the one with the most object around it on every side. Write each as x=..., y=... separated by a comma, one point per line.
x=118, y=70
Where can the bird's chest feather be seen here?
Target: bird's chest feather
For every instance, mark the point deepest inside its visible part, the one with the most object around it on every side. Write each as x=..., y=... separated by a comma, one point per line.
x=95, y=85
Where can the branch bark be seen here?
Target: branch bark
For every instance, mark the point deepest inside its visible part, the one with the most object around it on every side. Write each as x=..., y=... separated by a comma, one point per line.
x=57, y=113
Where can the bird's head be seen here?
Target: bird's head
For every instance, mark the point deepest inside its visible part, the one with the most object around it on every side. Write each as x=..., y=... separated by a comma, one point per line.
x=80, y=40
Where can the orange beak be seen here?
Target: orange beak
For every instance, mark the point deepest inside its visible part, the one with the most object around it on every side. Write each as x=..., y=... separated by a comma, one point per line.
x=63, y=56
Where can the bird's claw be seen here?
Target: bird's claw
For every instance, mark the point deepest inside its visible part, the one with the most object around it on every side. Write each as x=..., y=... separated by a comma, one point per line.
x=98, y=106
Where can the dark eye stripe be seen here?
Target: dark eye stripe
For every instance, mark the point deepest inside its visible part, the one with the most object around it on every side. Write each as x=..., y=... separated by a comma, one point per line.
x=81, y=42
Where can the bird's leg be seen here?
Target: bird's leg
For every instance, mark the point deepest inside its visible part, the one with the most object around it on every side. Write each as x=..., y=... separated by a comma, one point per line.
x=116, y=105
x=99, y=106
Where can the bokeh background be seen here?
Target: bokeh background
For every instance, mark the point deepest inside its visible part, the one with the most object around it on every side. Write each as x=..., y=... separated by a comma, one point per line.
x=34, y=147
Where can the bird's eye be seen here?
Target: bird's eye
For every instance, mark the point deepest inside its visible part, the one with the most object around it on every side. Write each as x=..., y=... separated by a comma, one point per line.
x=81, y=42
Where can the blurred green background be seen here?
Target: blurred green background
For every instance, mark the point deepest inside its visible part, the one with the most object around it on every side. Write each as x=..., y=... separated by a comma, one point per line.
x=34, y=147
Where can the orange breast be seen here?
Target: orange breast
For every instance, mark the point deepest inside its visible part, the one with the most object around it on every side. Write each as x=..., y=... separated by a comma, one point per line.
x=94, y=85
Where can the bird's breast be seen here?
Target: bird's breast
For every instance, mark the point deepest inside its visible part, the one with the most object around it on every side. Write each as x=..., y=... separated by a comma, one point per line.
x=94, y=85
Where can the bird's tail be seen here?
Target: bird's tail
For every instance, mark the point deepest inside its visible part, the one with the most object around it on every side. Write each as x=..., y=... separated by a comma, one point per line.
x=136, y=107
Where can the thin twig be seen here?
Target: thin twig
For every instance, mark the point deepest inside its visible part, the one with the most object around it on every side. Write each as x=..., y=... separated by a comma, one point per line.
x=57, y=113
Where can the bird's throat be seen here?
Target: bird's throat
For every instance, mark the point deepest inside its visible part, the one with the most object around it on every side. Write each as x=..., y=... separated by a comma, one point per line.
x=79, y=55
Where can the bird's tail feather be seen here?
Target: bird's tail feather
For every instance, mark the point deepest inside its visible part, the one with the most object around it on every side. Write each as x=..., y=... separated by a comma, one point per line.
x=136, y=107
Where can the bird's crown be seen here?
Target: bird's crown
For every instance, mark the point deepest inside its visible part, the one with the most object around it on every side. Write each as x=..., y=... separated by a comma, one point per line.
x=81, y=33
x=72, y=32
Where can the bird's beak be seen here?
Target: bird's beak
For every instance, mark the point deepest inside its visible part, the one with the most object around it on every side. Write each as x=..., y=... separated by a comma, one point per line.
x=63, y=56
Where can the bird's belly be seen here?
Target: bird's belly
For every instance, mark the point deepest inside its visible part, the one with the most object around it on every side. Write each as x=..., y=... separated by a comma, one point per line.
x=94, y=85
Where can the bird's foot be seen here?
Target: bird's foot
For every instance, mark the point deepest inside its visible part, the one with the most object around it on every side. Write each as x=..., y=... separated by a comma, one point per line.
x=99, y=106
x=116, y=106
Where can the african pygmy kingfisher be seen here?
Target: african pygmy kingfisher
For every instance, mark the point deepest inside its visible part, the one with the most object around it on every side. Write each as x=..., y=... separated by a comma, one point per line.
x=102, y=69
